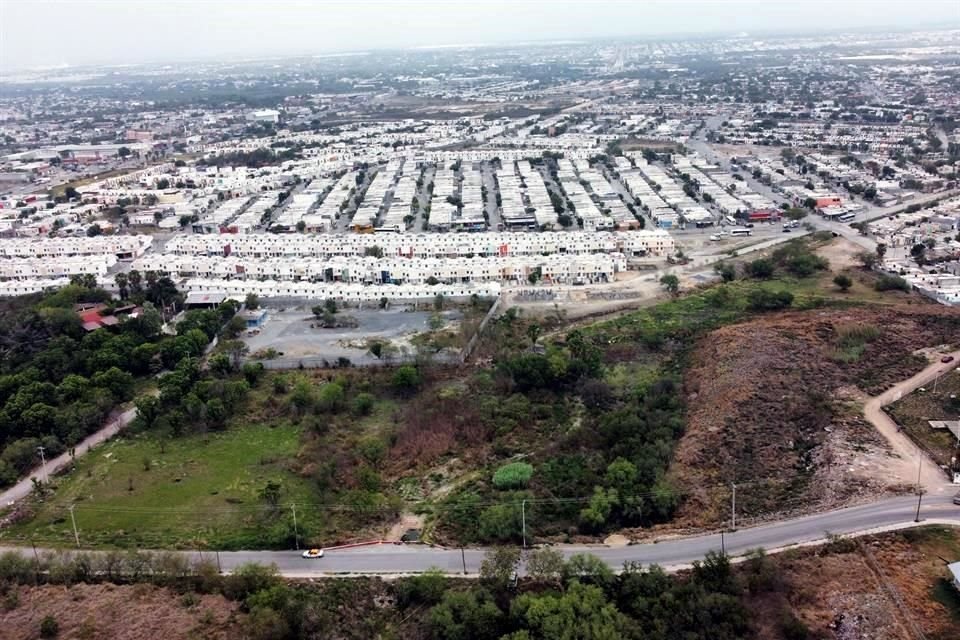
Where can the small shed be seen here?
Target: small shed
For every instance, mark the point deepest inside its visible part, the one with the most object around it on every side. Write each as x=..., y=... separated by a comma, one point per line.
x=254, y=317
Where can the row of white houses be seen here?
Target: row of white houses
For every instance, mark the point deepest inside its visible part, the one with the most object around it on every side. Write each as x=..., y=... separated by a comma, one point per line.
x=654, y=242
x=341, y=291
x=123, y=247
x=30, y=268
x=601, y=267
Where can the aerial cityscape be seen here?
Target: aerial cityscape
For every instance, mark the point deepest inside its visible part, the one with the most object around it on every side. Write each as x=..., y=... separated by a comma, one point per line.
x=514, y=321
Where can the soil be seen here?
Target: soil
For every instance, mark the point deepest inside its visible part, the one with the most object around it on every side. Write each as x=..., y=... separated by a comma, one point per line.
x=122, y=612
x=853, y=591
x=773, y=408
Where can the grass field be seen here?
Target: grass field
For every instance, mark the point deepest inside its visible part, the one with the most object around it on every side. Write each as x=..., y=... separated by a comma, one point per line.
x=199, y=490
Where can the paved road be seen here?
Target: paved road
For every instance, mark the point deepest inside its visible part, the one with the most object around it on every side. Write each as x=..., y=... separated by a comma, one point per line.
x=389, y=558
x=25, y=486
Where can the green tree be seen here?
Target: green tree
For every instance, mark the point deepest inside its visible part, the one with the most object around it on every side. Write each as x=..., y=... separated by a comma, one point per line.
x=726, y=271
x=545, y=565
x=406, y=380
x=252, y=301
x=843, y=282
x=761, y=269
x=499, y=566
x=671, y=283
x=582, y=612
x=466, y=615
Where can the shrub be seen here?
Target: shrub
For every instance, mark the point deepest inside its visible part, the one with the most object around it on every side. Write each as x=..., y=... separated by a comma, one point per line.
x=760, y=269
x=49, y=627
x=763, y=300
x=362, y=404
x=843, y=282
x=887, y=282
x=515, y=475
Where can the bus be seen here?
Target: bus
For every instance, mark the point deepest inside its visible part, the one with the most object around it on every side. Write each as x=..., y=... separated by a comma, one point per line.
x=741, y=232
x=847, y=217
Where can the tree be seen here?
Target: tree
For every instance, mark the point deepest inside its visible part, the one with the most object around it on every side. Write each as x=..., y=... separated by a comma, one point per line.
x=545, y=565
x=796, y=213
x=726, y=271
x=671, y=283
x=499, y=565
x=882, y=251
x=843, y=282
x=122, y=284
x=466, y=615
x=533, y=332
x=867, y=259
x=582, y=612
x=123, y=152
x=270, y=494
x=252, y=301
x=330, y=305
x=760, y=269
x=406, y=379
x=94, y=230
x=565, y=220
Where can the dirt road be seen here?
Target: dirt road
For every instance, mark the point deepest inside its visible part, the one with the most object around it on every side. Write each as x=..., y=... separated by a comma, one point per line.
x=909, y=458
x=25, y=486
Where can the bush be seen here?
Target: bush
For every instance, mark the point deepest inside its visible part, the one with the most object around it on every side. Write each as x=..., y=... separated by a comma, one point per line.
x=362, y=404
x=515, y=475
x=888, y=282
x=49, y=627
x=843, y=282
x=763, y=300
x=761, y=269
x=406, y=379
x=425, y=589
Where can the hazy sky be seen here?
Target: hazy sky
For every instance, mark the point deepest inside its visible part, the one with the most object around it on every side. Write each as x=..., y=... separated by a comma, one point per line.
x=40, y=32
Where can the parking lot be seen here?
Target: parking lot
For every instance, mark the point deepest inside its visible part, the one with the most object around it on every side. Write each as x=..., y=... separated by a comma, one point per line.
x=295, y=334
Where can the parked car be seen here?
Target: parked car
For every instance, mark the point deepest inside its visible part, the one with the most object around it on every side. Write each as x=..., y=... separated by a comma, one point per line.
x=946, y=359
x=956, y=499
x=311, y=554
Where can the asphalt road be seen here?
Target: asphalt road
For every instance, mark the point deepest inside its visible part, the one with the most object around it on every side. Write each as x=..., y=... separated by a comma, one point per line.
x=388, y=558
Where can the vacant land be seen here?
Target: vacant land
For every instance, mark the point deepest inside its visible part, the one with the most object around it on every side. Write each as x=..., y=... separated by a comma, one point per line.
x=844, y=590
x=197, y=491
x=775, y=406
x=915, y=411
x=297, y=334
x=121, y=612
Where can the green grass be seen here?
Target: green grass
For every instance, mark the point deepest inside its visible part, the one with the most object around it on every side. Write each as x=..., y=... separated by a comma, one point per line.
x=199, y=490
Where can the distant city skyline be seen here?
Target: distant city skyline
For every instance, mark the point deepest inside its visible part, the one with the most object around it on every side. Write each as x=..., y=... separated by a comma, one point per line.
x=38, y=33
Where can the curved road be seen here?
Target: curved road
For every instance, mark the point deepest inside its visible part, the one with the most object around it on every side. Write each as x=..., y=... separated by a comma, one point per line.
x=398, y=559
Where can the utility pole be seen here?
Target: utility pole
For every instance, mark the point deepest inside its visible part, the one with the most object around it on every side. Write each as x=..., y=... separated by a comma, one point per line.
x=463, y=558
x=523, y=521
x=723, y=546
x=733, y=507
x=296, y=533
x=919, y=491
x=43, y=464
x=73, y=520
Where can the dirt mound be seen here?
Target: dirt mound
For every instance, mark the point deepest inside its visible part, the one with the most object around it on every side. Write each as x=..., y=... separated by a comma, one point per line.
x=774, y=406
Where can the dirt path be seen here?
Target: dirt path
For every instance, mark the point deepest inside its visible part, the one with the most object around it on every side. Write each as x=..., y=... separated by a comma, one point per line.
x=909, y=458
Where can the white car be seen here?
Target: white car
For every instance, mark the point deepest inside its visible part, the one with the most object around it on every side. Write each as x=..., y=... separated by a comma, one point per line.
x=312, y=554
x=715, y=238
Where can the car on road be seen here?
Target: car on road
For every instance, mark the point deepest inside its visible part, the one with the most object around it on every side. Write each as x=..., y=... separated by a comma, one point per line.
x=956, y=499
x=715, y=238
x=787, y=230
x=311, y=554
x=946, y=359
